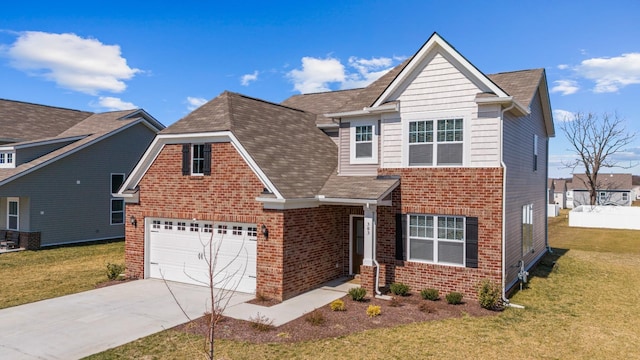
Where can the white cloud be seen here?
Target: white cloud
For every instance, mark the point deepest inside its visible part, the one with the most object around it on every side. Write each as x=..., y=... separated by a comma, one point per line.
x=563, y=66
x=318, y=75
x=563, y=115
x=112, y=103
x=81, y=64
x=611, y=74
x=195, y=102
x=566, y=87
x=246, y=79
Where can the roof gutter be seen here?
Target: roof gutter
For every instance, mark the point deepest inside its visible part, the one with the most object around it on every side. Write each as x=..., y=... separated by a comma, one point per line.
x=387, y=108
x=508, y=101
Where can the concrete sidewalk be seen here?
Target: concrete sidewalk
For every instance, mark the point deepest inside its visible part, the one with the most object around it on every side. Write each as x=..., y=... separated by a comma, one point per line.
x=78, y=325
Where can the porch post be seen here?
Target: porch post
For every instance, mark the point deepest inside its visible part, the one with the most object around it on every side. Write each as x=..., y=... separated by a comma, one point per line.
x=369, y=234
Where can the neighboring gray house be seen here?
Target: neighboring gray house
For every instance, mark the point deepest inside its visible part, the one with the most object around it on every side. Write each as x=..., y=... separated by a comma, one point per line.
x=612, y=189
x=59, y=167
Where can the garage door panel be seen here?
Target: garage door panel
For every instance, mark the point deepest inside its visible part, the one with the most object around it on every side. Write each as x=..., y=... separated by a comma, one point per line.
x=182, y=255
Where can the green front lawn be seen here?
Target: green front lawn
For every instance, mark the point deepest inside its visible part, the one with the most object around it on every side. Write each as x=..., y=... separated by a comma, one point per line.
x=28, y=276
x=584, y=307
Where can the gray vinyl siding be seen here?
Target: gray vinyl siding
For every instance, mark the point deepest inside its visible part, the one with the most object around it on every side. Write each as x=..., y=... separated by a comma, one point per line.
x=27, y=154
x=524, y=185
x=70, y=199
x=344, y=151
x=582, y=197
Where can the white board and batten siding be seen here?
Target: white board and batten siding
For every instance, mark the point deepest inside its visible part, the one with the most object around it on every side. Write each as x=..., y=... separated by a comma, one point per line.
x=441, y=89
x=181, y=253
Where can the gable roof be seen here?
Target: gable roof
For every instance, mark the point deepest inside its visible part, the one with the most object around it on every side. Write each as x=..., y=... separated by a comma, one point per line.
x=87, y=132
x=284, y=142
x=517, y=86
x=21, y=121
x=605, y=182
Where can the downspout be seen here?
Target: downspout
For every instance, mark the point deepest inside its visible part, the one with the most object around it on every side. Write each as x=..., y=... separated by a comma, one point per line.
x=504, y=211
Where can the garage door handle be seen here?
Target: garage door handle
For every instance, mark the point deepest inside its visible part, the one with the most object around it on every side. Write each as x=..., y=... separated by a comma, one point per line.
x=253, y=277
x=153, y=263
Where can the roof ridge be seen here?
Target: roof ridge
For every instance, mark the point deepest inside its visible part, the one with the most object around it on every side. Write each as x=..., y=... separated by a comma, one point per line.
x=265, y=101
x=515, y=71
x=48, y=106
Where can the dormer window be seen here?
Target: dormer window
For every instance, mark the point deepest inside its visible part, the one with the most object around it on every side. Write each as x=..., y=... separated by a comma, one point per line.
x=6, y=160
x=364, y=142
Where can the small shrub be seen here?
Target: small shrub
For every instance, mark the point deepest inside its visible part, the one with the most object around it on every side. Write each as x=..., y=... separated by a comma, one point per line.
x=261, y=323
x=394, y=302
x=373, y=310
x=357, y=293
x=454, y=298
x=114, y=271
x=489, y=295
x=399, y=289
x=262, y=297
x=337, y=305
x=426, y=308
x=315, y=318
x=430, y=294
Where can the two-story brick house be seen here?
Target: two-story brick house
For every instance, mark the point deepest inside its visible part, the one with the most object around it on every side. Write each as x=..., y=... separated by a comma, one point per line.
x=434, y=175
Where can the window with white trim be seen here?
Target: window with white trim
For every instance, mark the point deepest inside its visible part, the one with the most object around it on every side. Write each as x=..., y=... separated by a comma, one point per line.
x=194, y=227
x=6, y=160
x=182, y=226
x=364, y=142
x=168, y=225
x=442, y=144
x=527, y=229
x=222, y=229
x=197, y=159
x=155, y=224
x=208, y=228
x=625, y=197
x=602, y=197
x=535, y=152
x=436, y=239
x=236, y=230
x=252, y=232
x=13, y=214
x=117, y=204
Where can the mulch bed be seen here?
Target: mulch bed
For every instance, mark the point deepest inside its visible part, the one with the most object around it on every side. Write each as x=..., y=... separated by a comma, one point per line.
x=402, y=310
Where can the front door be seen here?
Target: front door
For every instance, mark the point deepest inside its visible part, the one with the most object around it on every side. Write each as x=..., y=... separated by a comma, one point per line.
x=357, y=243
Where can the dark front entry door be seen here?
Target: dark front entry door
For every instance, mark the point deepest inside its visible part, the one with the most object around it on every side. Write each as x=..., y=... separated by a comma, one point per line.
x=357, y=243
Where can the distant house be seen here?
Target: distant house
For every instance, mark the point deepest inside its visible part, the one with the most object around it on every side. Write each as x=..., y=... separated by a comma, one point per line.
x=558, y=189
x=377, y=182
x=60, y=167
x=611, y=189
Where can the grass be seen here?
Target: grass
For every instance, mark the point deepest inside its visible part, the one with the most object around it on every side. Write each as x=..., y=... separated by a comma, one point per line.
x=29, y=276
x=581, y=303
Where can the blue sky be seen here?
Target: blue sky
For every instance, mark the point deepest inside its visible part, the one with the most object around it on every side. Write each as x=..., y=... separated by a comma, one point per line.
x=169, y=58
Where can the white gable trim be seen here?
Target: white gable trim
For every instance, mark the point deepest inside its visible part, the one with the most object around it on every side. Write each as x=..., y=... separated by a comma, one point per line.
x=160, y=141
x=436, y=43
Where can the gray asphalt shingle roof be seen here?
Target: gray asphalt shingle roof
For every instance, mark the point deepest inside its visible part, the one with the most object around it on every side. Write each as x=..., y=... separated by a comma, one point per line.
x=284, y=142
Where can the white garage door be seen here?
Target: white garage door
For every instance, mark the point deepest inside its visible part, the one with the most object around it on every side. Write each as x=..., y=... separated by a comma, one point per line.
x=182, y=250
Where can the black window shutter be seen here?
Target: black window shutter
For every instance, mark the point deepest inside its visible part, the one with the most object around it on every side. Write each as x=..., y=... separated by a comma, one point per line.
x=207, y=159
x=186, y=159
x=472, y=242
x=400, y=236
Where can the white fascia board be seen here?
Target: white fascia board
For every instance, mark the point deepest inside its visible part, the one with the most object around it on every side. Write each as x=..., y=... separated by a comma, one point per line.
x=387, y=108
x=432, y=44
x=41, y=143
x=508, y=100
x=328, y=126
x=287, y=204
x=169, y=139
x=346, y=201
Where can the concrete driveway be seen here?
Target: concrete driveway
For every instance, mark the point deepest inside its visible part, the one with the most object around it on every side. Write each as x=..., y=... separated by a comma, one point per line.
x=78, y=325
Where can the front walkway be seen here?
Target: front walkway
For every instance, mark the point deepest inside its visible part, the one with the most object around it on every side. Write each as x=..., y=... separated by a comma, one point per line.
x=78, y=325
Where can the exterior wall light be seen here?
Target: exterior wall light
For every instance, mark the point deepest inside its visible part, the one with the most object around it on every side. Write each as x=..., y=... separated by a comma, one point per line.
x=133, y=221
x=265, y=231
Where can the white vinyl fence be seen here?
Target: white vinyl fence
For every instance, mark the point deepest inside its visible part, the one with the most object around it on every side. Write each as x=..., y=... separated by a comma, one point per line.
x=609, y=217
x=553, y=210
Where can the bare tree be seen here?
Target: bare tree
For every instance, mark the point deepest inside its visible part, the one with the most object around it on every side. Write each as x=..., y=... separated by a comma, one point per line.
x=595, y=139
x=220, y=279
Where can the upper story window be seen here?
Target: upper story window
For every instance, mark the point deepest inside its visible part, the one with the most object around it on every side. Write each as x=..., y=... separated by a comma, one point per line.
x=364, y=142
x=535, y=152
x=436, y=142
x=196, y=159
x=117, y=204
x=6, y=160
